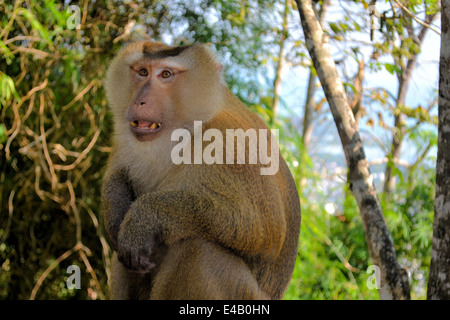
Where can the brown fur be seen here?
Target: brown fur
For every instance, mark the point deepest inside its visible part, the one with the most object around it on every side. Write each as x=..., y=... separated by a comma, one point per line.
x=189, y=231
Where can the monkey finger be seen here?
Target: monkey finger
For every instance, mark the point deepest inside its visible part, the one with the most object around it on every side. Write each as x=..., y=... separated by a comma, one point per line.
x=138, y=262
x=144, y=261
x=145, y=266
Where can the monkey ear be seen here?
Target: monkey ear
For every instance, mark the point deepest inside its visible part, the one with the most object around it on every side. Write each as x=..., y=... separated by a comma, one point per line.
x=219, y=67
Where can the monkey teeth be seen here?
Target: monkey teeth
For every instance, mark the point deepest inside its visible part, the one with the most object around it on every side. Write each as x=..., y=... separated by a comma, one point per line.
x=145, y=124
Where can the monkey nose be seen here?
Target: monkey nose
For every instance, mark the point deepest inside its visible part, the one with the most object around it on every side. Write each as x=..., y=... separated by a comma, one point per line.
x=142, y=103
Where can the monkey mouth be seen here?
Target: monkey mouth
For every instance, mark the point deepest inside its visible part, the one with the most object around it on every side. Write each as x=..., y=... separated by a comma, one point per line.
x=145, y=126
x=145, y=130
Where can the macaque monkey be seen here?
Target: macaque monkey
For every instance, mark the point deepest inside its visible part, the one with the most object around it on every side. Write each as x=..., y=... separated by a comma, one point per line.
x=188, y=230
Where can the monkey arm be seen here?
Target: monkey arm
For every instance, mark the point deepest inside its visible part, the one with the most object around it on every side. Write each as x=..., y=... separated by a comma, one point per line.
x=174, y=215
x=117, y=197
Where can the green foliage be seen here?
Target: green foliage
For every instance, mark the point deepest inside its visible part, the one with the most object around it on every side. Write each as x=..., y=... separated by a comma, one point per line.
x=333, y=257
x=409, y=216
x=50, y=133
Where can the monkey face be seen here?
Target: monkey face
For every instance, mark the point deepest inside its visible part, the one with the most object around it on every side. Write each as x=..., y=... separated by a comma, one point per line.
x=153, y=88
x=151, y=109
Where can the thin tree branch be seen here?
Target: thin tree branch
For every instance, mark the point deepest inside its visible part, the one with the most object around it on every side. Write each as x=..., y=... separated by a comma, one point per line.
x=415, y=18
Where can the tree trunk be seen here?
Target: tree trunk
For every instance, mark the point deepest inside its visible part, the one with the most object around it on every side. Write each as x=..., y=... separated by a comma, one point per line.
x=393, y=279
x=310, y=102
x=439, y=278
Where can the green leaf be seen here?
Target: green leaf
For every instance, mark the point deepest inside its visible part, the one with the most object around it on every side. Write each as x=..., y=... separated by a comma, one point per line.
x=391, y=68
x=2, y=133
x=60, y=17
x=350, y=85
x=7, y=88
x=334, y=27
x=36, y=25
x=397, y=172
x=6, y=53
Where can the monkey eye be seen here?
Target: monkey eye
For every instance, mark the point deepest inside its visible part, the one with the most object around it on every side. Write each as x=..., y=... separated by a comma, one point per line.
x=143, y=72
x=166, y=74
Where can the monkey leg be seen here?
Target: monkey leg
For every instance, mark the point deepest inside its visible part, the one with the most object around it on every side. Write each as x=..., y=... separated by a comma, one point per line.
x=200, y=270
x=119, y=282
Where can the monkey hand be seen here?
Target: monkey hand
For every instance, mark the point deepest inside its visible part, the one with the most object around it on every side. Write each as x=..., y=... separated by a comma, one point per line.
x=136, y=244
